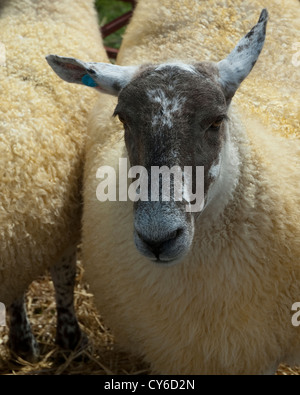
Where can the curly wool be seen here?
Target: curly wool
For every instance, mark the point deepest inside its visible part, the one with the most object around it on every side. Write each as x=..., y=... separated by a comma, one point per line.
x=226, y=308
x=42, y=134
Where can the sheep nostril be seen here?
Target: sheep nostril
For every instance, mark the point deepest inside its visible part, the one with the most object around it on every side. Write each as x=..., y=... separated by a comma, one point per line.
x=174, y=235
x=157, y=245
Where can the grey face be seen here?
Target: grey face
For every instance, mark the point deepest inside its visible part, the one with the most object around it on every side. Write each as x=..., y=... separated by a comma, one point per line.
x=173, y=115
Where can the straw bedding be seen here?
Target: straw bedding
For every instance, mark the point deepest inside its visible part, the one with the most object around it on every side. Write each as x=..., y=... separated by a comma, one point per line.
x=100, y=357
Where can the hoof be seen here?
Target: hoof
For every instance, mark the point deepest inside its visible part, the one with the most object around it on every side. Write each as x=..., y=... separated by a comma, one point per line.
x=71, y=338
x=26, y=348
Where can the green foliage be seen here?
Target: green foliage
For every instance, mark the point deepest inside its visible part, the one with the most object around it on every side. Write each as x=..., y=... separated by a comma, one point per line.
x=109, y=10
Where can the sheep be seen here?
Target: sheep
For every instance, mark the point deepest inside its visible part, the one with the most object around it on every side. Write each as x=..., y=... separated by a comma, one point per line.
x=42, y=135
x=207, y=292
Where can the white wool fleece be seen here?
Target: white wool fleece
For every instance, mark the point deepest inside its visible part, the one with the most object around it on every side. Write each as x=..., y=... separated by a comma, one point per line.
x=42, y=134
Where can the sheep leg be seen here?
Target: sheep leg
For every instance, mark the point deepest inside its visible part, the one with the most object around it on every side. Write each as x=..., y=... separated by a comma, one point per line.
x=68, y=333
x=21, y=340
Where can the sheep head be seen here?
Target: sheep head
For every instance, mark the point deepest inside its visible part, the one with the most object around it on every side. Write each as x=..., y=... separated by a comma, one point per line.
x=175, y=117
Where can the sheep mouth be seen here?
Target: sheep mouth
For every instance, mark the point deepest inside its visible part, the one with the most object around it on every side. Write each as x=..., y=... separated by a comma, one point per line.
x=166, y=251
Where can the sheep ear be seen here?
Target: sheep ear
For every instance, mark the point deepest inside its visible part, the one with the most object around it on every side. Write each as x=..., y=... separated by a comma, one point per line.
x=238, y=64
x=106, y=77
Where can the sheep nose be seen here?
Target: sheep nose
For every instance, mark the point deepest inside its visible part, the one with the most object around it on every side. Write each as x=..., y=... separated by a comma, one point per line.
x=160, y=243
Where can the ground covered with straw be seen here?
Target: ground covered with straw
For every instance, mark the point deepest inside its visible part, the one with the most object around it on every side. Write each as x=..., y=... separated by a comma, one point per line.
x=100, y=357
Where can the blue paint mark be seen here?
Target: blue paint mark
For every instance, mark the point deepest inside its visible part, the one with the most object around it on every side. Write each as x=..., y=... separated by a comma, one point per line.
x=88, y=81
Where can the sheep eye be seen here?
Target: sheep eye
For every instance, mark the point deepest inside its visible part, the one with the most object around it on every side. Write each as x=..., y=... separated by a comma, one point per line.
x=217, y=124
x=122, y=120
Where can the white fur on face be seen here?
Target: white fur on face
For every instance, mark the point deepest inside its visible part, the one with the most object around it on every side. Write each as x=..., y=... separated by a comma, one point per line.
x=182, y=66
x=170, y=104
x=169, y=107
x=215, y=169
x=226, y=173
